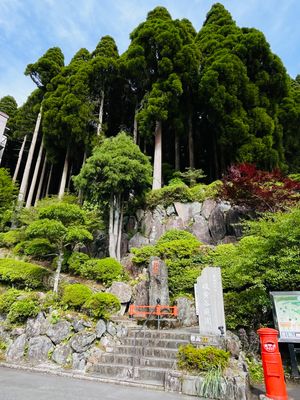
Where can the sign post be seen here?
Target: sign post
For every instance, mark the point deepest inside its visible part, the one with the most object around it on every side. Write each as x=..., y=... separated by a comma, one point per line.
x=286, y=313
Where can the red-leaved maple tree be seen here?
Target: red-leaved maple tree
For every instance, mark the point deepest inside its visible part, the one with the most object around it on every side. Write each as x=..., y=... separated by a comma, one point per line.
x=243, y=184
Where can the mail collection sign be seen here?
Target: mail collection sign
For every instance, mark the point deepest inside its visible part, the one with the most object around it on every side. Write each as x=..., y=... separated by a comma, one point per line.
x=286, y=311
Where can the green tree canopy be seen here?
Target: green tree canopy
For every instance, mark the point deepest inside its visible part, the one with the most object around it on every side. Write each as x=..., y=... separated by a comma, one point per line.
x=116, y=171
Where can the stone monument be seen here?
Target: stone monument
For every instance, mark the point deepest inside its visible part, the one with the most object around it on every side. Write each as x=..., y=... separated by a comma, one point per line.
x=158, y=282
x=210, y=303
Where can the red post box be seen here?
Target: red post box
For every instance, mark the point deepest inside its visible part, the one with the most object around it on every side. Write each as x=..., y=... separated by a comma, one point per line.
x=272, y=364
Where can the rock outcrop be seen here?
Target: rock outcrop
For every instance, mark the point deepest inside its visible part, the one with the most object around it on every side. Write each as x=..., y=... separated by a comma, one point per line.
x=212, y=222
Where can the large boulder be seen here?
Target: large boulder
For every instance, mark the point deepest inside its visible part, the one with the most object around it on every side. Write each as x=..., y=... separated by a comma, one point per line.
x=59, y=331
x=36, y=326
x=99, y=247
x=79, y=361
x=157, y=228
x=122, y=291
x=141, y=293
x=16, y=350
x=94, y=356
x=81, y=341
x=200, y=229
x=62, y=354
x=111, y=328
x=138, y=240
x=216, y=224
x=100, y=328
x=188, y=211
x=207, y=207
x=186, y=312
x=234, y=218
x=39, y=348
x=174, y=222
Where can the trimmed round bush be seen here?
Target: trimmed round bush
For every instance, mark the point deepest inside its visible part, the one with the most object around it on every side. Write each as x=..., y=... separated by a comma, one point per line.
x=105, y=270
x=7, y=299
x=168, y=195
x=22, y=274
x=76, y=262
x=177, y=234
x=21, y=310
x=11, y=238
x=76, y=295
x=38, y=247
x=207, y=358
x=102, y=305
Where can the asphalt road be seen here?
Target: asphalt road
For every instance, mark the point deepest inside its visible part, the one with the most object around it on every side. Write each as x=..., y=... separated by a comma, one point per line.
x=24, y=385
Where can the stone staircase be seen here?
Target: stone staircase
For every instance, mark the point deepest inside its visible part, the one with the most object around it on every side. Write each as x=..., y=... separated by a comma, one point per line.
x=145, y=356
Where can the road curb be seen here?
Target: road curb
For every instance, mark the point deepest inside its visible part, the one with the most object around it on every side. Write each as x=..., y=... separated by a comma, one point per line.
x=82, y=376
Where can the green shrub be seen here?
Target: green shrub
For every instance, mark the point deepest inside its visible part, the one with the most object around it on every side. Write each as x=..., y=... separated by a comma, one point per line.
x=255, y=369
x=11, y=238
x=76, y=295
x=7, y=299
x=38, y=248
x=202, y=192
x=182, y=253
x=105, y=270
x=22, y=274
x=102, y=305
x=21, y=310
x=76, y=262
x=51, y=300
x=182, y=276
x=180, y=248
x=142, y=255
x=203, y=359
x=168, y=194
x=177, y=234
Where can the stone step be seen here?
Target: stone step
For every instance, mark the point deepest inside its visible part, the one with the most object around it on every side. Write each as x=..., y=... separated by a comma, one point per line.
x=142, y=351
x=124, y=359
x=154, y=342
x=118, y=371
x=159, y=334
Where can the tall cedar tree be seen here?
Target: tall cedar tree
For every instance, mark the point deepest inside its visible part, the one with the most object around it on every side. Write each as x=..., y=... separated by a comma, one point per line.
x=158, y=41
x=241, y=85
x=68, y=113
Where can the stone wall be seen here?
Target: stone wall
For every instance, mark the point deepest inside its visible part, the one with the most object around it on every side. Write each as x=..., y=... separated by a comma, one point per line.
x=68, y=342
x=212, y=222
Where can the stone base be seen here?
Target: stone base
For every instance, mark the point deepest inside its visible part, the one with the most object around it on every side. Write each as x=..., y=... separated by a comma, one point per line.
x=236, y=388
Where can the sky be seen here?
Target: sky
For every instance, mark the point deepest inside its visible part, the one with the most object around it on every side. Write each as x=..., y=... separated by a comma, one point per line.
x=28, y=28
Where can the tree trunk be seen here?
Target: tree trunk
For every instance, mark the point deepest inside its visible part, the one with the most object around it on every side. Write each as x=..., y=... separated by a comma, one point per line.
x=99, y=127
x=80, y=193
x=177, y=152
x=120, y=227
x=57, y=272
x=24, y=183
x=157, y=156
x=34, y=178
x=191, y=142
x=38, y=193
x=135, y=127
x=19, y=159
x=115, y=226
x=111, y=240
x=64, y=176
x=70, y=176
x=49, y=180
